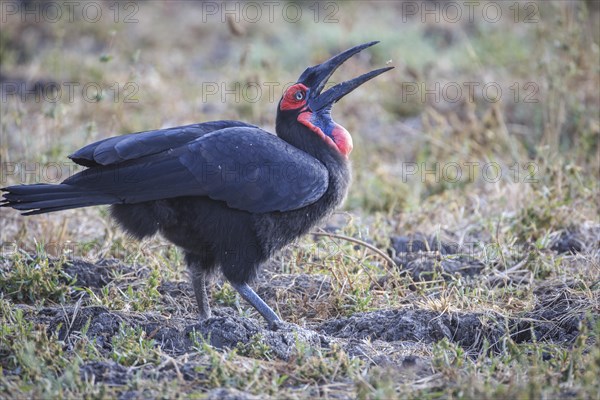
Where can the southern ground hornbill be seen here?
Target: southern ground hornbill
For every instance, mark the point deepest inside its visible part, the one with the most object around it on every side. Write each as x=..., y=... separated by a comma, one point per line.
x=229, y=194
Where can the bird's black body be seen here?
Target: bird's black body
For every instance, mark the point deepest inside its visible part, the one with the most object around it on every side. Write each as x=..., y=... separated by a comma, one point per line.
x=236, y=240
x=228, y=193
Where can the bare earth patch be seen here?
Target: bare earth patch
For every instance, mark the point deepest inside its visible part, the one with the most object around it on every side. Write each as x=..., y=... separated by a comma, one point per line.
x=400, y=339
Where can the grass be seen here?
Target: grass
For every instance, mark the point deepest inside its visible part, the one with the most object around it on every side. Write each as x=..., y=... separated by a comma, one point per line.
x=124, y=325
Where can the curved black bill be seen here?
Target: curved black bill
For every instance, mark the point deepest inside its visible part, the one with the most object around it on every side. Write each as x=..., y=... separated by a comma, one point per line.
x=341, y=89
x=316, y=77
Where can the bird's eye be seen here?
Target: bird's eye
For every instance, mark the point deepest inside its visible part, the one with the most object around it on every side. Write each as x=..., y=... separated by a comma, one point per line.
x=299, y=95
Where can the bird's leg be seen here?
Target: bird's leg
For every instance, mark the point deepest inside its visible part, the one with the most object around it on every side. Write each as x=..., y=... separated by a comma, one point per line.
x=199, y=283
x=251, y=297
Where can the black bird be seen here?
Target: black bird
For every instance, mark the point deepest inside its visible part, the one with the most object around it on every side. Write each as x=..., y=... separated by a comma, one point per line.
x=229, y=194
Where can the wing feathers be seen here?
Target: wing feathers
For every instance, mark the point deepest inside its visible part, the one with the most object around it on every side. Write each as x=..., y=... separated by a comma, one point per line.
x=244, y=166
x=135, y=145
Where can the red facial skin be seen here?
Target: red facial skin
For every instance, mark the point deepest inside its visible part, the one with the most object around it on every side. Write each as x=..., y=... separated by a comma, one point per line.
x=289, y=101
x=294, y=98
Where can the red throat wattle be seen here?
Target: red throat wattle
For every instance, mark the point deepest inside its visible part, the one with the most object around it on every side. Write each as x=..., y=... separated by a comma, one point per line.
x=340, y=138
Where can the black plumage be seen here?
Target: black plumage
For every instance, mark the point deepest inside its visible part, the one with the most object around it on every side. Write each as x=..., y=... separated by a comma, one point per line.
x=229, y=194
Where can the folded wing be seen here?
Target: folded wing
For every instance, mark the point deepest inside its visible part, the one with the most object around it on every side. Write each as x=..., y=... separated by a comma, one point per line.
x=117, y=149
x=244, y=166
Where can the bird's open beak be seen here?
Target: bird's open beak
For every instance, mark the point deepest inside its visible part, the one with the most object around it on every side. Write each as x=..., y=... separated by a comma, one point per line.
x=316, y=77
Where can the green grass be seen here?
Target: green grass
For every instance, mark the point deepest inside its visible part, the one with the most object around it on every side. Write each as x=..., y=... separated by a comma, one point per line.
x=35, y=279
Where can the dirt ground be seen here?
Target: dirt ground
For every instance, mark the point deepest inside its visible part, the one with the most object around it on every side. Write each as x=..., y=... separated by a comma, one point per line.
x=399, y=339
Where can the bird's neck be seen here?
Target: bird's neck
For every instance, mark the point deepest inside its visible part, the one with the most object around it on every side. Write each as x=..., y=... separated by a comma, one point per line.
x=317, y=145
x=332, y=133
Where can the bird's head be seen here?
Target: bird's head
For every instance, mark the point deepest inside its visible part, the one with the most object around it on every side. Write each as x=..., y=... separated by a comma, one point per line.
x=305, y=102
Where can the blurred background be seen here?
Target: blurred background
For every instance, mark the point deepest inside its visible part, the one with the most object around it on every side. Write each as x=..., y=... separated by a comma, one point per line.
x=487, y=127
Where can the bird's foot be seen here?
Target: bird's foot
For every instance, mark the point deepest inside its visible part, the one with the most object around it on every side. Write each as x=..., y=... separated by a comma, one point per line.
x=277, y=325
x=251, y=297
x=204, y=315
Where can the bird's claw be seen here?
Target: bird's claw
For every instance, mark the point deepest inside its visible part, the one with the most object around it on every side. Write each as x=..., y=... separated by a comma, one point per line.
x=277, y=325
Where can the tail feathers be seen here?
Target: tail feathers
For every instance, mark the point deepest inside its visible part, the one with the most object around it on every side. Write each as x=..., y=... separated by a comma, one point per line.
x=44, y=198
